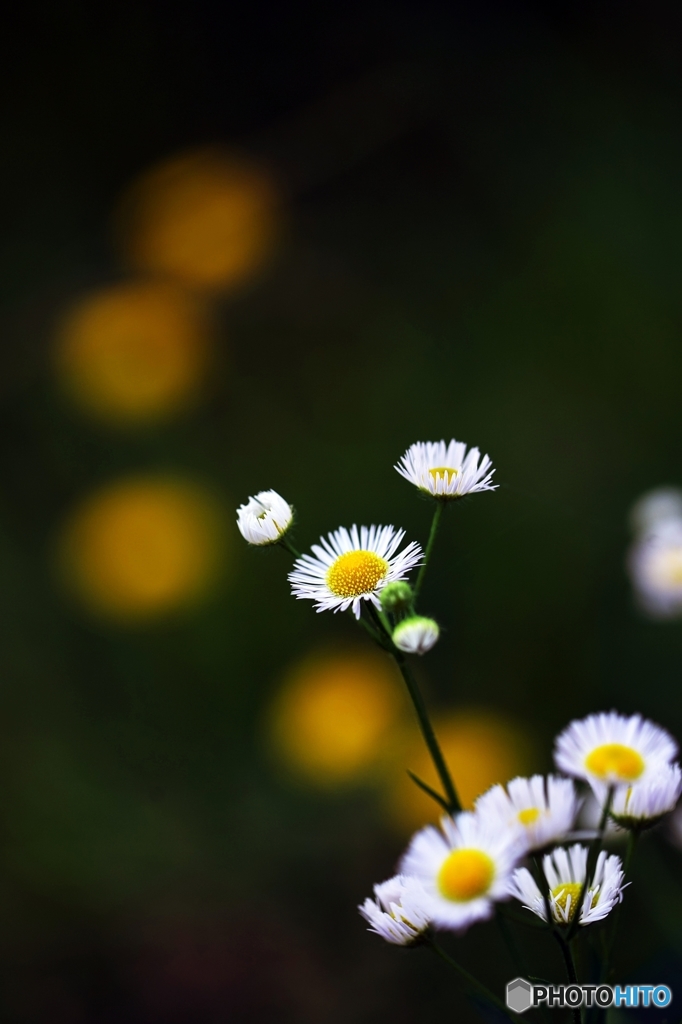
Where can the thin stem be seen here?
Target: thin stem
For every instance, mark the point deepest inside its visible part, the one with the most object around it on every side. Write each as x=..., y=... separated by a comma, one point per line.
x=472, y=982
x=383, y=619
x=630, y=852
x=288, y=546
x=368, y=629
x=428, y=733
x=381, y=627
x=435, y=522
x=570, y=971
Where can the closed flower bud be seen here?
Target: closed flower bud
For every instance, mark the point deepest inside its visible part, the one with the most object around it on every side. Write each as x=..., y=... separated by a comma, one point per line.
x=265, y=518
x=416, y=635
x=396, y=597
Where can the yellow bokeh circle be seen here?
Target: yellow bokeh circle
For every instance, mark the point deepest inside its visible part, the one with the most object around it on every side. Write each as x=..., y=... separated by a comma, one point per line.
x=207, y=218
x=335, y=717
x=133, y=352
x=481, y=747
x=142, y=547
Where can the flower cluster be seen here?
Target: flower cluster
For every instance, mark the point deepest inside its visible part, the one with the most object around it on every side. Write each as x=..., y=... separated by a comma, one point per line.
x=349, y=568
x=453, y=876
x=519, y=840
x=655, y=558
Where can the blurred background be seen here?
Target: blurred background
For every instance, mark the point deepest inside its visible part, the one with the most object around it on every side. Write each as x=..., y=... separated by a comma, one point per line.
x=253, y=246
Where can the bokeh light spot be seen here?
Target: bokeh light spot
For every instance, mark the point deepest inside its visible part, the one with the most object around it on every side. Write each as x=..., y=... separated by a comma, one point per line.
x=481, y=747
x=206, y=218
x=334, y=718
x=142, y=547
x=133, y=352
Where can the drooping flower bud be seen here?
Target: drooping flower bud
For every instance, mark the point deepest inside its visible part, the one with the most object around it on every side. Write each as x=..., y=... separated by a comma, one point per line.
x=416, y=635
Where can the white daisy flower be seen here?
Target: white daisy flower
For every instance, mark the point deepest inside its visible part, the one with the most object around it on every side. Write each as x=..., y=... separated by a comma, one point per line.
x=644, y=803
x=416, y=635
x=655, y=566
x=265, y=518
x=655, y=508
x=397, y=912
x=352, y=567
x=614, y=749
x=445, y=471
x=542, y=809
x=463, y=868
x=565, y=873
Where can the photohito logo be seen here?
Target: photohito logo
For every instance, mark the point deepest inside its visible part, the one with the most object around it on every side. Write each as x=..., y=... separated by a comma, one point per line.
x=521, y=995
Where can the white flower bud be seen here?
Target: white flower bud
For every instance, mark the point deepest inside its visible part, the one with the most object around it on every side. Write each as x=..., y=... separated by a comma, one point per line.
x=265, y=518
x=416, y=635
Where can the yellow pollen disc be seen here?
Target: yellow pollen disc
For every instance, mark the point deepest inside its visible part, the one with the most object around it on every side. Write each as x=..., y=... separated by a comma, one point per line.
x=613, y=760
x=356, y=573
x=445, y=471
x=561, y=894
x=530, y=815
x=465, y=875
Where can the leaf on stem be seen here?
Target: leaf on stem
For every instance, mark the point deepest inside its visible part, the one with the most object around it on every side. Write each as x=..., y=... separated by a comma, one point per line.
x=431, y=792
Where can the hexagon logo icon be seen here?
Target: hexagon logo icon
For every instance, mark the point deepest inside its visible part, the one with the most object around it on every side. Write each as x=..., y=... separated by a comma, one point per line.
x=519, y=997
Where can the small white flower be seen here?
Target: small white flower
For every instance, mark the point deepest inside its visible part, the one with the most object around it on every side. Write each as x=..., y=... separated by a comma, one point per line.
x=416, y=635
x=614, y=749
x=565, y=871
x=655, y=567
x=655, y=508
x=445, y=471
x=397, y=912
x=463, y=868
x=264, y=518
x=644, y=803
x=352, y=567
x=542, y=809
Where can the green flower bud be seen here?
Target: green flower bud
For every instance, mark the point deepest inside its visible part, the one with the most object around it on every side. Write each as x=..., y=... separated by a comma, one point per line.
x=396, y=597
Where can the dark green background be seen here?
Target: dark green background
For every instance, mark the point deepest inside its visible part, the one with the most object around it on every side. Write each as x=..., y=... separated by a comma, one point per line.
x=483, y=241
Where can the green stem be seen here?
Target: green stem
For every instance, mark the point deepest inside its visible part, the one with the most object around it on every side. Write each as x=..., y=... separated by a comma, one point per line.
x=473, y=983
x=428, y=733
x=369, y=628
x=570, y=971
x=435, y=522
x=288, y=546
x=382, y=628
x=629, y=853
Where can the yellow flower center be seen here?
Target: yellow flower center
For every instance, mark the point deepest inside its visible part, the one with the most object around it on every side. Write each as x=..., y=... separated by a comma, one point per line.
x=465, y=875
x=613, y=760
x=445, y=471
x=356, y=573
x=561, y=894
x=530, y=815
